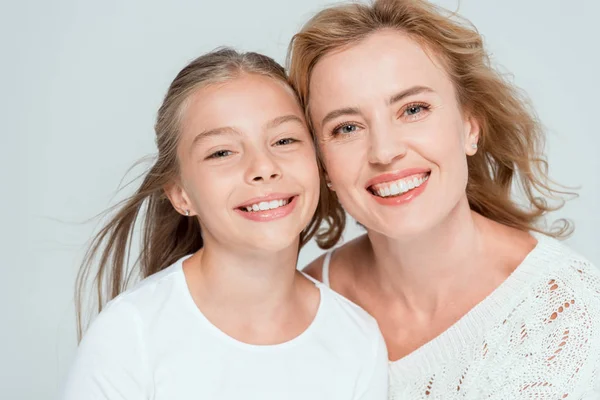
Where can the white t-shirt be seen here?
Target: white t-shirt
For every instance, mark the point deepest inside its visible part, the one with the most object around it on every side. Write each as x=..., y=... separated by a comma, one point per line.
x=152, y=342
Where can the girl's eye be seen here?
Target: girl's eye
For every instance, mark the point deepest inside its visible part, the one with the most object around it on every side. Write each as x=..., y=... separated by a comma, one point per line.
x=344, y=129
x=284, y=142
x=220, y=154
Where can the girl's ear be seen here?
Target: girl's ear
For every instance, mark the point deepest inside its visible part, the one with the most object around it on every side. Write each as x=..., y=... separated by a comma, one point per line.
x=179, y=199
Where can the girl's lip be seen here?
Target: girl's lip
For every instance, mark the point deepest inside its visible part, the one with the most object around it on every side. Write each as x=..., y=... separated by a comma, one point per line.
x=269, y=215
x=269, y=197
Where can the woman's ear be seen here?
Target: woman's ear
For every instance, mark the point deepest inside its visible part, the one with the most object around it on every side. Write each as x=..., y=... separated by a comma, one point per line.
x=327, y=181
x=472, y=131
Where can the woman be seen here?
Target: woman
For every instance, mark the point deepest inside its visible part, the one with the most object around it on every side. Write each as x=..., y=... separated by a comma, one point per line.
x=422, y=142
x=223, y=313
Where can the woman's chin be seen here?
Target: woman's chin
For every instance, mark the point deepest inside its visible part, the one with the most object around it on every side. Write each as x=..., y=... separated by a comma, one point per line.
x=404, y=228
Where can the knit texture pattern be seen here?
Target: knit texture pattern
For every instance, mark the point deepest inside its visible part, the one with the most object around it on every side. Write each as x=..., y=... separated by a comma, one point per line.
x=536, y=337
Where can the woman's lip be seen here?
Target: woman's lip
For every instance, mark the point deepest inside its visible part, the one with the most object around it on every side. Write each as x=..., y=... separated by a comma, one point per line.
x=394, y=176
x=269, y=197
x=401, y=199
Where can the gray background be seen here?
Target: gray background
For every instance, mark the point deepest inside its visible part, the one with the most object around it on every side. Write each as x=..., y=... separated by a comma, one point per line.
x=80, y=83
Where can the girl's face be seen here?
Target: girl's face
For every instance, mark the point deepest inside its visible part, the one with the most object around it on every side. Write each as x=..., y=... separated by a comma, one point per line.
x=393, y=136
x=248, y=168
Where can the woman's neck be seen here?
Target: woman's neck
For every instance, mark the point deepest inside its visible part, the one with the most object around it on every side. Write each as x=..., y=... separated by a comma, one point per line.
x=427, y=272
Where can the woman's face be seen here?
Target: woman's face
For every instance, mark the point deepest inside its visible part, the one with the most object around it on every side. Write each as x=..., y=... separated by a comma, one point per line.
x=393, y=136
x=247, y=164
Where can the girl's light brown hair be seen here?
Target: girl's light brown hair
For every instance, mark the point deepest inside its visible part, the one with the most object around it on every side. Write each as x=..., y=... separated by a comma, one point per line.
x=166, y=235
x=510, y=149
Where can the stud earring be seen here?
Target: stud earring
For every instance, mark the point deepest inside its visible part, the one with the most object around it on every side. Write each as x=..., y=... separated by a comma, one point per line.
x=187, y=213
x=329, y=185
x=473, y=145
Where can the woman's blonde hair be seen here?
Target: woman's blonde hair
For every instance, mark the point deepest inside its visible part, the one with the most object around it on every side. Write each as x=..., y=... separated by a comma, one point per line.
x=166, y=235
x=511, y=138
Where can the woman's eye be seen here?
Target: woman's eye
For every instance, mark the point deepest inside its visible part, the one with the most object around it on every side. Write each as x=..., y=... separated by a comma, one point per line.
x=345, y=129
x=284, y=142
x=415, y=111
x=412, y=110
x=220, y=154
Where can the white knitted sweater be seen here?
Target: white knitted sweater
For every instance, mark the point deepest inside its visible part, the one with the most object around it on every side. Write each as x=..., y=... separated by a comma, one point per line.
x=537, y=336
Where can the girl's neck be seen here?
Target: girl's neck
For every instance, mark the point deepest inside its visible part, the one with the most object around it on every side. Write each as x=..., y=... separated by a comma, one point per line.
x=255, y=296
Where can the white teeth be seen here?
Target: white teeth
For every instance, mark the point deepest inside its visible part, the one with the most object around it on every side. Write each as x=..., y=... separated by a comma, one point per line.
x=403, y=187
x=266, y=205
x=398, y=187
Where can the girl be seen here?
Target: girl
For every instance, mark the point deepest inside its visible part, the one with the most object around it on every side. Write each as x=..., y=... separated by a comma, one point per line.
x=422, y=142
x=223, y=313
